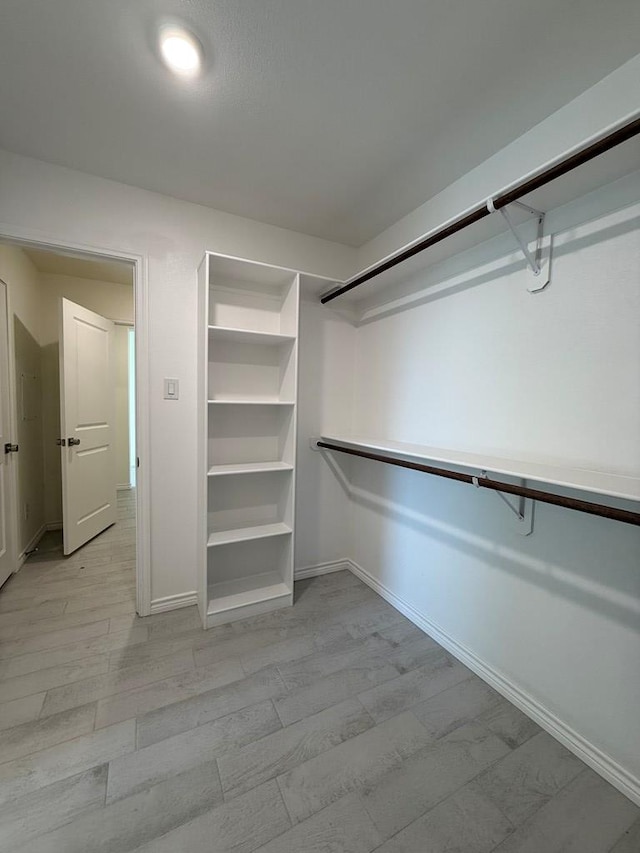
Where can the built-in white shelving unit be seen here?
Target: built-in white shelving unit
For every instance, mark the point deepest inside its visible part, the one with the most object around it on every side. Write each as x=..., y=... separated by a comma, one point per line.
x=248, y=359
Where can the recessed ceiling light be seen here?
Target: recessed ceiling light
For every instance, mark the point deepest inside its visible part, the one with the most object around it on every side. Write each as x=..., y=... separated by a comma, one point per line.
x=180, y=51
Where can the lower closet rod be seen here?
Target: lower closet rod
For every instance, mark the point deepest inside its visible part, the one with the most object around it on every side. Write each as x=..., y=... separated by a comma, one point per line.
x=495, y=485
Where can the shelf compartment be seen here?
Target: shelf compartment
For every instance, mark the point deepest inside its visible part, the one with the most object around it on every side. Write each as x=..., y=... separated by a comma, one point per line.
x=248, y=502
x=251, y=296
x=241, y=370
x=235, y=438
x=246, y=592
x=249, y=336
x=247, y=534
x=248, y=468
x=247, y=578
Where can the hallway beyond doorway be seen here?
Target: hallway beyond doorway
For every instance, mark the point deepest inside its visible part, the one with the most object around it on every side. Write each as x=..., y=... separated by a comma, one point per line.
x=100, y=574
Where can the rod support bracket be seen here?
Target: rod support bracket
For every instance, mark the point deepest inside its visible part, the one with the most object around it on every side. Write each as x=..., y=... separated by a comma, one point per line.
x=534, y=260
x=522, y=510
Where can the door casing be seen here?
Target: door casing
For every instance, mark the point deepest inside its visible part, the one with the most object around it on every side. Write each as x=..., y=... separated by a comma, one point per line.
x=8, y=470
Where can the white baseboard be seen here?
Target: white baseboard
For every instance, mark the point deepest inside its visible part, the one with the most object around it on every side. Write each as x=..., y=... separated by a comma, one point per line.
x=618, y=776
x=321, y=569
x=31, y=544
x=173, y=602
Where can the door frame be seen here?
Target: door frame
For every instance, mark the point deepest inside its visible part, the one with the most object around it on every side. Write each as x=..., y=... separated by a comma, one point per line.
x=12, y=514
x=26, y=239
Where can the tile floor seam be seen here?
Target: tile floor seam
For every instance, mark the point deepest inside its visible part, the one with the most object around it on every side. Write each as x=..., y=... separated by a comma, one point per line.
x=25, y=755
x=44, y=701
x=119, y=693
x=452, y=793
x=61, y=647
x=286, y=692
x=284, y=803
x=489, y=767
x=538, y=808
x=72, y=662
x=620, y=837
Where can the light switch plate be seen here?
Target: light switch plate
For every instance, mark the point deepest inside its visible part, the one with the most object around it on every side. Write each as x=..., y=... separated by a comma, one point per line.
x=171, y=389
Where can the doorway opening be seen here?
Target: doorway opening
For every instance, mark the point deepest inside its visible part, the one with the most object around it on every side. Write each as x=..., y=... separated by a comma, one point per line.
x=72, y=341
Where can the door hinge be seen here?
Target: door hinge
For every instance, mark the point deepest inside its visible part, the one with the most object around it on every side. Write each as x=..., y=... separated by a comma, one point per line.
x=10, y=448
x=137, y=461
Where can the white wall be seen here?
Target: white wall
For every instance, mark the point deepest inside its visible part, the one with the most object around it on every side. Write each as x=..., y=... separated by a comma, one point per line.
x=27, y=355
x=110, y=299
x=52, y=204
x=23, y=283
x=476, y=362
x=325, y=403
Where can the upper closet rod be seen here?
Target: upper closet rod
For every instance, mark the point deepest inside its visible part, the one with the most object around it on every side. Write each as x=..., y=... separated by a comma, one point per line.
x=571, y=162
x=495, y=485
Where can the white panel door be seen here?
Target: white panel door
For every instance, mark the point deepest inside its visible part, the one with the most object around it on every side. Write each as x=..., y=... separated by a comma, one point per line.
x=7, y=553
x=87, y=408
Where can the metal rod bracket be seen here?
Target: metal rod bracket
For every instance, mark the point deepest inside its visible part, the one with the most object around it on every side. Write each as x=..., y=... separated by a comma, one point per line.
x=523, y=510
x=534, y=261
x=313, y=442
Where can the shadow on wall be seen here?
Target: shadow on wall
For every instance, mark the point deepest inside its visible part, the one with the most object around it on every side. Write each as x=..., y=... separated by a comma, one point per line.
x=500, y=371
x=582, y=558
x=28, y=374
x=469, y=269
x=324, y=398
x=51, y=432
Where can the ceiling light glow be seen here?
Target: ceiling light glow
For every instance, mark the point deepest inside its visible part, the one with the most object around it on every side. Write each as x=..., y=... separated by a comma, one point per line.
x=180, y=51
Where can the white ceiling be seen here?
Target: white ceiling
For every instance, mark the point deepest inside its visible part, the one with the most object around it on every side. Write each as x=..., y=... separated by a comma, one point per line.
x=330, y=117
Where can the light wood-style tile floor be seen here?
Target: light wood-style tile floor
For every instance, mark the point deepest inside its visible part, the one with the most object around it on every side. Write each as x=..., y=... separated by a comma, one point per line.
x=332, y=727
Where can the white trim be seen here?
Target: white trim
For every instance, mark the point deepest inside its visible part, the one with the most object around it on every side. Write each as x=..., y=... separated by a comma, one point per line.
x=321, y=569
x=37, y=239
x=203, y=283
x=598, y=760
x=123, y=487
x=14, y=492
x=213, y=254
x=22, y=556
x=143, y=443
x=173, y=602
x=32, y=543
